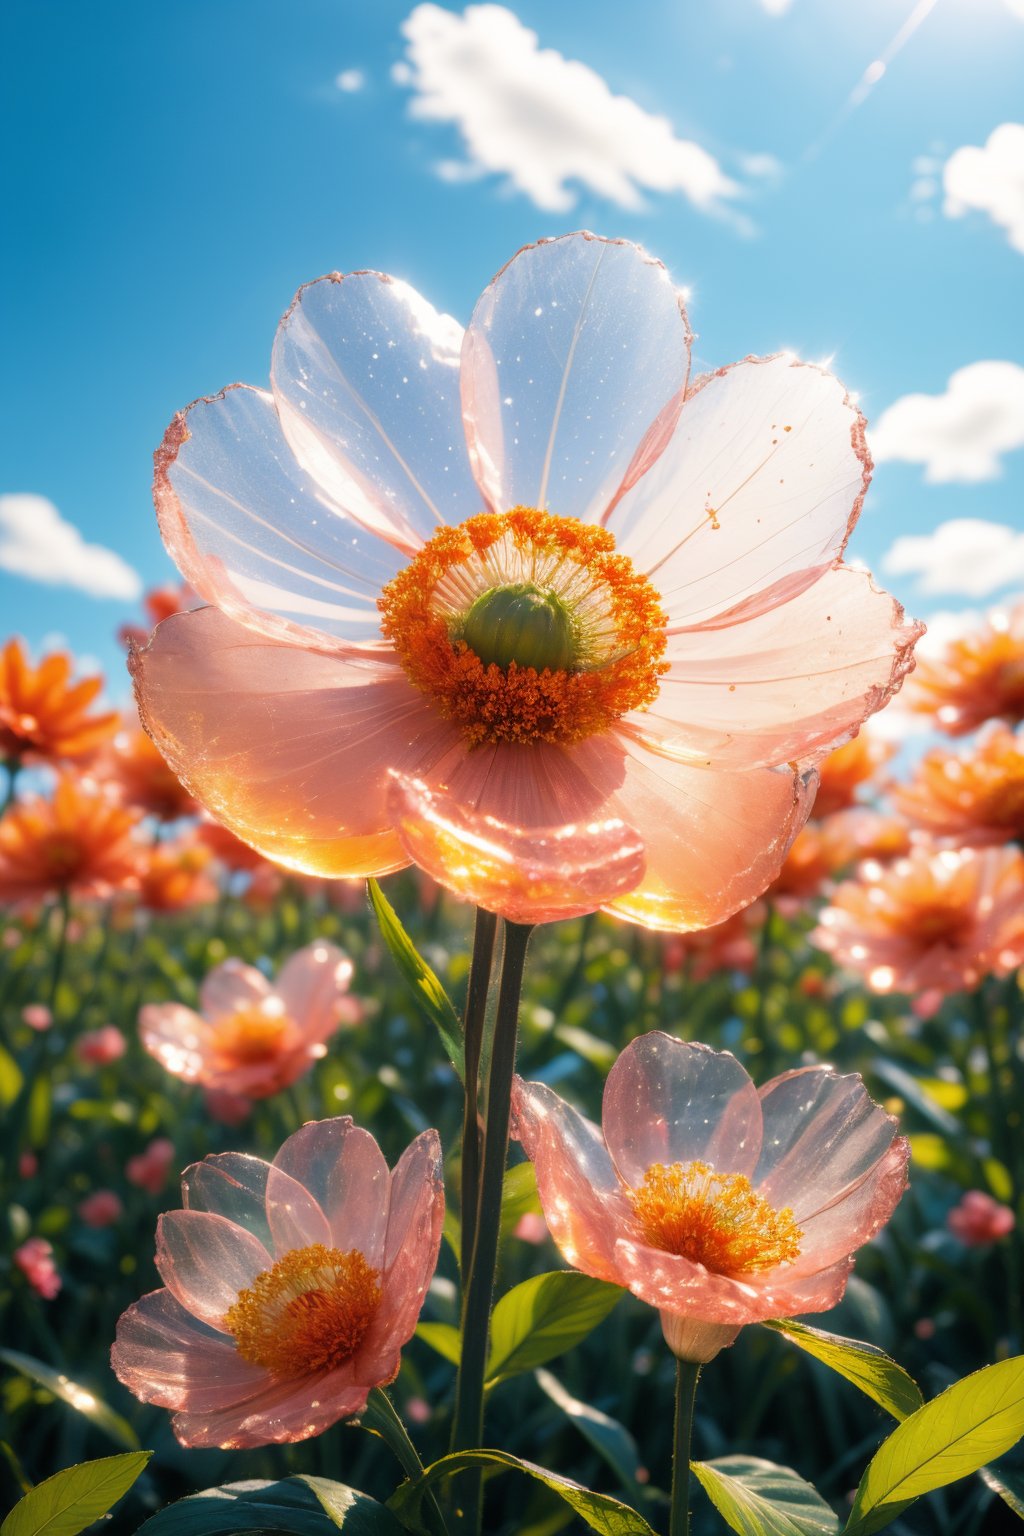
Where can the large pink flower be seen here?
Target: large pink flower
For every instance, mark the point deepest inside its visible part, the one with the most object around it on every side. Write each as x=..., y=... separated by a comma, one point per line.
x=252, y=1037
x=718, y=1203
x=524, y=604
x=291, y=1286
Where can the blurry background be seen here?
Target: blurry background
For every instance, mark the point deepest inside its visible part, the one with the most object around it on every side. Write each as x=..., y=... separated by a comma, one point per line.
x=843, y=180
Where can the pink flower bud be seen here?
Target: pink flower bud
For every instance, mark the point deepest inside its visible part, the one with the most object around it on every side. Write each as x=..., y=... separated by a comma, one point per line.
x=35, y=1260
x=101, y=1209
x=101, y=1046
x=37, y=1016
x=148, y=1170
x=979, y=1220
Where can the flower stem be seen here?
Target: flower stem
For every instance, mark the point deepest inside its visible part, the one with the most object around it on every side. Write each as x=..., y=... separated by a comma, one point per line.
x=687, y=1374
x=476, y=1009
x=478, y=1280
x=381, y=1418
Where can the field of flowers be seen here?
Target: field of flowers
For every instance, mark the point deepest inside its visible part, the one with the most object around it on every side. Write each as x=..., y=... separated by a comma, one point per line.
x=316, y=1335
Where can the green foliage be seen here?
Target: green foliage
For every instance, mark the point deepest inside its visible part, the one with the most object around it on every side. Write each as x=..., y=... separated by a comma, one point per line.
x=867, y=1366
x=543, y=1317
x=757, y=1498
x=598, y=1512
x=69, y=1501
x=419, y=978
x=76, y=1396
x=972, y=1422
x=304, y=1506
x=442, y=1337
x=611, y=1440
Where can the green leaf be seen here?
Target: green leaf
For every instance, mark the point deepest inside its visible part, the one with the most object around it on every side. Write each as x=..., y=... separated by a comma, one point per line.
x=611, y=1440
x=757, y=1498
x=518, y=1196
x=868, y=1367
x=544, y=1316
x=955, y=1434
x=305, y=1506
x=419, y=978
x=76, y=1396
x=11, y=1079
x=598, y=1512
x=70, y=1500
x=442, y=1337
x=1009, y=1484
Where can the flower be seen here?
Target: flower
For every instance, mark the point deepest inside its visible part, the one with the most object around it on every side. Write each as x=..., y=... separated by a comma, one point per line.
x=979, y=676
x=44, y=716
x=976, y=797
x=37, y=1016
x=228, y=849
x=150, y=1168
x=252, y=1038
x=175, y=876
x=933, y=923
x=79, y=841
x=35, y=1260
x=718, y=1203
x=979, y=1220
x=524, y=606
x=291, y=1286
x=728, y=946
x=143, y=778
x=843, y=772
x=101, y=1047
x=102, y=1208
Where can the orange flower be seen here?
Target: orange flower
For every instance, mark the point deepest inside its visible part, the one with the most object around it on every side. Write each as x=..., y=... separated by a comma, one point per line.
x=80, y=841
x=175, y=876
x=933, y=923
x=44, y=716
x=228, y=849
x=977, y=797
x=160, y=603
x=144, y=779
x=843, y=772
x=706, y=952
x=979, y=677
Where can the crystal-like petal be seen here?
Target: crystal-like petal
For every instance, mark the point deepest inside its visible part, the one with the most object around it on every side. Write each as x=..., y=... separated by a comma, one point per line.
x=344, y=1170
x=205, y=1260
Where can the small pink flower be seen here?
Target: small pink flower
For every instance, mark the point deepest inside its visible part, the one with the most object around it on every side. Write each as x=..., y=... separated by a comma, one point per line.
x=148, y=1170
x=231, y=1109
x=28, y=1164
x=716, y=1203
x=418, y=1411
x=291, y=1286
x=101, y=1047
x=979, y=1220
x=37, y=1016
x=35, y=1260
x=102, y=1208
x=531, y=1228
x=252, y=1038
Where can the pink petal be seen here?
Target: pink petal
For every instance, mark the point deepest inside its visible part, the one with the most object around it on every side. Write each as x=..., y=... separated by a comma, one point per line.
x=573, y=371
x=255, y=1195
x=522, y=830
x=230, y=986
x=344, y=1170
x=788, y=683
x=668, y=1281
x=714, y=840
x=290, y=749
x=253, y=533
x=667, y=1101
x=365, y=377
x=285, y=1410
x=310, y=984
x=205, y=1260
x=580, y=1191
x=838, y=1230
x=740, y=512
x=166, y=1356
x=178, y=1038
x=415, y=1218
x=822, y=1135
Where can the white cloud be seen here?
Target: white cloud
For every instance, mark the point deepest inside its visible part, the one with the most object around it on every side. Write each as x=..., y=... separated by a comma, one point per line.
x=965, y=555
x=350, y=80
x=776, y=7
x=1016, y=7
x=36, y=542
x=543, y=120
x=990, y=178
x=961, y=434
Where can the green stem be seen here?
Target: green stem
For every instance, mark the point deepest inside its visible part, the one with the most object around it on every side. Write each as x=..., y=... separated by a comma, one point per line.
x=13, y=769
x=61, y=948
x=381, y=1417
x=478, y=1281
x=687, y=1374
x=476, y=1010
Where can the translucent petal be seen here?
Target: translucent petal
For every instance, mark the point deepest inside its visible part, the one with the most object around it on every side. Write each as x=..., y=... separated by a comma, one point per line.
x=310, y=984
x=166, y=1356
x=786, y=684
x=205, y=1260
x=754, y=496
x=252, y=531
x=573, y=371
x=713, y=840
x=668, y=1281
x=344, y=1170
x=176, y=1037
x=837, y=1230
x=283, y=1410
x=263, y=1199
x=290, y=749
x=366, y=379
x=231, y=986
x=667, y=1101
x=415, y=1218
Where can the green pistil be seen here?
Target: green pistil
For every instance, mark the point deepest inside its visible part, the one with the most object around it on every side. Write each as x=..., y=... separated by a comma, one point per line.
x=521, y=624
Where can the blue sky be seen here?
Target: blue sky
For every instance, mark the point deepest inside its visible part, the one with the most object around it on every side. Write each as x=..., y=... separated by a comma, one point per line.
x=172, y=176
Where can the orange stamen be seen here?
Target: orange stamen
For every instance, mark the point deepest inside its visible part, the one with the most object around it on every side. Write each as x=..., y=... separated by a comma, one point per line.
x=309, y=1313
x=616, y=616
x=714, y=1219
x=250, y=1034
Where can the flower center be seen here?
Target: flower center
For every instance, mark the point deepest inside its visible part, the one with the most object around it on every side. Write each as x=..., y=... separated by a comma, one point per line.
x=526, y=627
x=251, y=1034
x=309, y=1313
x=714, y=1219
